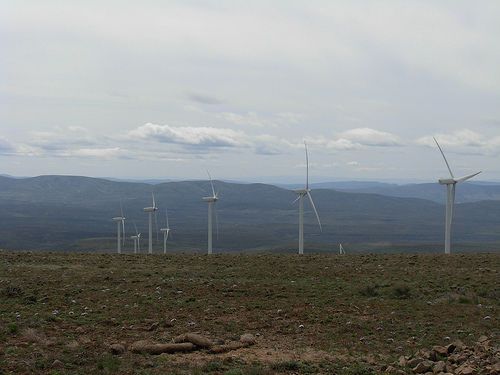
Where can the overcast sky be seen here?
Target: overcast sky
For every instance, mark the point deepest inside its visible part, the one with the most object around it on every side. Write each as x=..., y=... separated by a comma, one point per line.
x=170, y=89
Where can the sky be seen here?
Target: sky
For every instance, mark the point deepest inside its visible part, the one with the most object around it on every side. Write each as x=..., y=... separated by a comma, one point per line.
x=170, y=89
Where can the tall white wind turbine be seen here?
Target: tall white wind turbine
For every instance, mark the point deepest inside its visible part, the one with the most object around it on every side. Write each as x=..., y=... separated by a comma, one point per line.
x=120, y=220
x=151, y=210
x=213, y=199
x=166, y=233
x=302, y=193
x=450, y=198
x=136, y=238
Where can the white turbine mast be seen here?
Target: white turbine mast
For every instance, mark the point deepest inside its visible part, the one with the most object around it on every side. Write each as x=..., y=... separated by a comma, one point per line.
x=302, y=193
x=121, y=220
x=450, y=197
x=150, y=210
x=136, y=238
x=166, y=233
x=213, y=199
x=341, y=250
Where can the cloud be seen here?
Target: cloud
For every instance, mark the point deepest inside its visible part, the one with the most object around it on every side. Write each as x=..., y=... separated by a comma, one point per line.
x=6, y=145
x=460, y=138
x=60, y=139
x=191, y=136
x=370, y=137
x=204, y=99
x=96, y=152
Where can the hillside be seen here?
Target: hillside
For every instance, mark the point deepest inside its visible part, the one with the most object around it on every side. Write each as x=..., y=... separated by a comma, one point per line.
x=75, y=213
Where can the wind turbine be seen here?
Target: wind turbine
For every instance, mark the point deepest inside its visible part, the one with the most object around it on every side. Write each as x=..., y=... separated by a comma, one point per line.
x=151, y=210
x=122, y=220
x=341, y=250
x=166, y=233
x=213, y=199
x=450, y=198
x=302, y=193
x=136, y=239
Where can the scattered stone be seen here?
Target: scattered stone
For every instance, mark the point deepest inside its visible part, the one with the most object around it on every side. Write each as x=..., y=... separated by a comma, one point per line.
x=248, y=338
x=440, y=367
x=57, y=364
x=483, y=358
x=422, y=367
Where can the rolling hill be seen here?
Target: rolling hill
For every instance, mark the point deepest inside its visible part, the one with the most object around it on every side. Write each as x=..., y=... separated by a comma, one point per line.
x=72, y=213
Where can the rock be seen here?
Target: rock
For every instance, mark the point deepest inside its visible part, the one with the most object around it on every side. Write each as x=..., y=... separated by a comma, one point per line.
x=198, y=340
x=57, y=364
x=422, y=367
x=145, y=346
x=465, y=369
x=412, y=362
x=459, y=345
x=440, y=367
x=248, y=338
x=117, y=349
x=390, y=370
x=440, y=350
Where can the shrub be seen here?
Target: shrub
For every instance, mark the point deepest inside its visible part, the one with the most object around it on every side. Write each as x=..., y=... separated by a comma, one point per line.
x=402, y=292
x=369, y=291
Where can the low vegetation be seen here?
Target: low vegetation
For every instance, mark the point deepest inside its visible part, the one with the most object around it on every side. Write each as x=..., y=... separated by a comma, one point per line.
x=60, y=313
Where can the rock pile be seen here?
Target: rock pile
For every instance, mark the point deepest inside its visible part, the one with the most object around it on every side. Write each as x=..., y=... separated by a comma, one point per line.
x=454, y=359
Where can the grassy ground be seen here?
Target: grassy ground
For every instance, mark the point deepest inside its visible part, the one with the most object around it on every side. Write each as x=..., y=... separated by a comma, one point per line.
x=311, y=314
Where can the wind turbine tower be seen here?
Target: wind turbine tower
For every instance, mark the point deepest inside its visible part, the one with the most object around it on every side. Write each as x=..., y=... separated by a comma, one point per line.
x=303, y=192
x=136, y=239
x=450, y=198
x=166, y=233
x=120, y=220
x=151, y=210
x=213, y=199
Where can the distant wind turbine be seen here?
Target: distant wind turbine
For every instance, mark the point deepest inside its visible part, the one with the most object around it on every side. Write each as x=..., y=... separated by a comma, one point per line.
x=302, y=193
x=450, y=198
x=166, y=233
x=121, y=220
x=213, y=199
x=136, y=239
x=341, y=251
x=151, y=210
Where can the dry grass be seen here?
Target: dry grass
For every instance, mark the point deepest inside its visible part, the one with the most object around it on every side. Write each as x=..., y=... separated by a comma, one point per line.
x=61, y=312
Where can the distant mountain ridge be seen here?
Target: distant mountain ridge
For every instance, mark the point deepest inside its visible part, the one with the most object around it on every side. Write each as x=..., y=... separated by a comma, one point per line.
x=55, y=212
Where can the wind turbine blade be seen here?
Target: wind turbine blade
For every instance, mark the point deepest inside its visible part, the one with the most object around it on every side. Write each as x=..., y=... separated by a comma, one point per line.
x=154, y=204
x=316, y=212
x=211, y=182
x=166, y=214
x=121, y=206
x=444, y=157
x=467, y=177
x=135, y=226
x=307, y=167
x=296, y=199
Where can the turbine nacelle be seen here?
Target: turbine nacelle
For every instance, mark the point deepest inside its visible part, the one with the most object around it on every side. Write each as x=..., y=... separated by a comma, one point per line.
x=118, y=218
x=210, y=199
x=150, y=209
x=302, y=191
x=449, y=181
